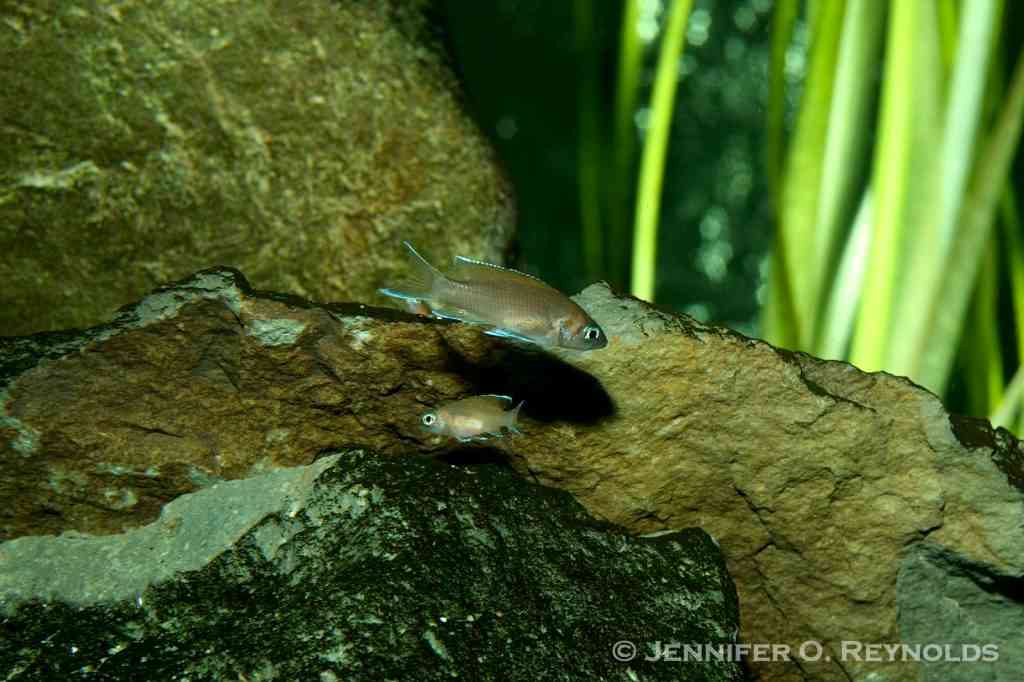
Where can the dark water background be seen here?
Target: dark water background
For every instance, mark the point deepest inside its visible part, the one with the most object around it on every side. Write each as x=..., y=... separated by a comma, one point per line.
x=521, y=63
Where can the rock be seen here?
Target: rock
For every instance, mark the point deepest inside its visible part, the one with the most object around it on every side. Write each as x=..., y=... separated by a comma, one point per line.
x=359, y=567
x=301, y=142
x=851, y=506
x=199, y=382
x=847, y=504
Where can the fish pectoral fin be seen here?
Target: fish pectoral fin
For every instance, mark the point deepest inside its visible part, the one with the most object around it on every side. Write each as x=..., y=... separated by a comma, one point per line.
x=456, y=315
x=446, y=315
x=471, y=439
x=394, y=293
x=506, y=334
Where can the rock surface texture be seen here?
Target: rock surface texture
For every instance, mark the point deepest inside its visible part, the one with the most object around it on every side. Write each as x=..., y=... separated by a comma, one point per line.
x=300, y=142
x=850, y=507
x=363, y=568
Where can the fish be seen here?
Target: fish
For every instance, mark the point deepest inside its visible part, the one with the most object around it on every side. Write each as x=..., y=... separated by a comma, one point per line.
x=474, y=418
x=511, y=304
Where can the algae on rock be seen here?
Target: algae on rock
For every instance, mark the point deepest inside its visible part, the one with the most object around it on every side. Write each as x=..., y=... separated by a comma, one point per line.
x=300, y=142
x=361, y=567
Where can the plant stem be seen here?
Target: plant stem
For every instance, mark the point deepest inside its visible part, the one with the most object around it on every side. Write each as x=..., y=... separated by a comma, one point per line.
x=652, y=169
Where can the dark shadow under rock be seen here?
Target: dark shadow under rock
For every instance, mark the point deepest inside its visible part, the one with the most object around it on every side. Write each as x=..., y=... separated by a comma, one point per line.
x=554, y=390
x=476, y=455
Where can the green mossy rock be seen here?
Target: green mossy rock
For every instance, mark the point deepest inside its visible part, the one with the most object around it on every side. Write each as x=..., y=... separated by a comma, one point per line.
x=360, y=567
x=299, y=142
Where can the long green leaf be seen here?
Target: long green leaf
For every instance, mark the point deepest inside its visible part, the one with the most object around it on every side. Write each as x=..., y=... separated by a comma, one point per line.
x=623, y=144
x=1003, y=415
x=988, y=304
x=848, y=284
x=778, y=316
x=980, y=351
x=845, y=149
x=804, y=168
x=652, y=168
x=901, y=174
x=926, y=268
x=783, y=18
x=975, y=225
x=1011, y=400
x=947, y=33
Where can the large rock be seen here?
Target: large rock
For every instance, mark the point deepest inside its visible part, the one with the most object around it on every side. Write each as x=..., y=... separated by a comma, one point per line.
x=365, y=568
x=300, y=142
x=202, y=381
x=850, y=506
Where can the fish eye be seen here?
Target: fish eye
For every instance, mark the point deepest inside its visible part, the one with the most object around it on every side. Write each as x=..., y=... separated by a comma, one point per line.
x=429, y=418
x=591, y=333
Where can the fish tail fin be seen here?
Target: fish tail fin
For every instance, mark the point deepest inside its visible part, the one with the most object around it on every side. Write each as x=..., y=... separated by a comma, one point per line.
x=421, y=283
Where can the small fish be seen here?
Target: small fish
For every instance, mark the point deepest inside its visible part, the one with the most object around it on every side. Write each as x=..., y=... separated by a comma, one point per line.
x=473, y=418
x=514, y=305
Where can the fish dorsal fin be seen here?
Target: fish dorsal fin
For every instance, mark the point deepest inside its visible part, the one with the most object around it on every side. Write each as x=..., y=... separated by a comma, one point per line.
x=499, y=397
x=470, y=270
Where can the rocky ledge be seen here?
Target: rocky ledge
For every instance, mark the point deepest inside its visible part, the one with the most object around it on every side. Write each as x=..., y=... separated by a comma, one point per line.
x=850, y=507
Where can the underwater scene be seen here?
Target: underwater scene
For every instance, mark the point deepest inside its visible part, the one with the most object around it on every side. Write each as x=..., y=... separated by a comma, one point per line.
x=622, y=340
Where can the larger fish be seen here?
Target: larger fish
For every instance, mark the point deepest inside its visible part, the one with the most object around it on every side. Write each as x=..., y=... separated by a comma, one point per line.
x=473, y=418
x=513, y=304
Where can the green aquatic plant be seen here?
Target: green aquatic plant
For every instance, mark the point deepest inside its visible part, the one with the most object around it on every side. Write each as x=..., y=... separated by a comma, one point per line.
x=652, y=167
x=885, y=245
x=897, y=223
x=627, y=91
x=1009, y=404
x=619, y=236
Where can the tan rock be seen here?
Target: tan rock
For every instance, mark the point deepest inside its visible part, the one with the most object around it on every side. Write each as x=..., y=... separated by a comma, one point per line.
x=300, y=142
x=822, y=483
x=851, y=507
